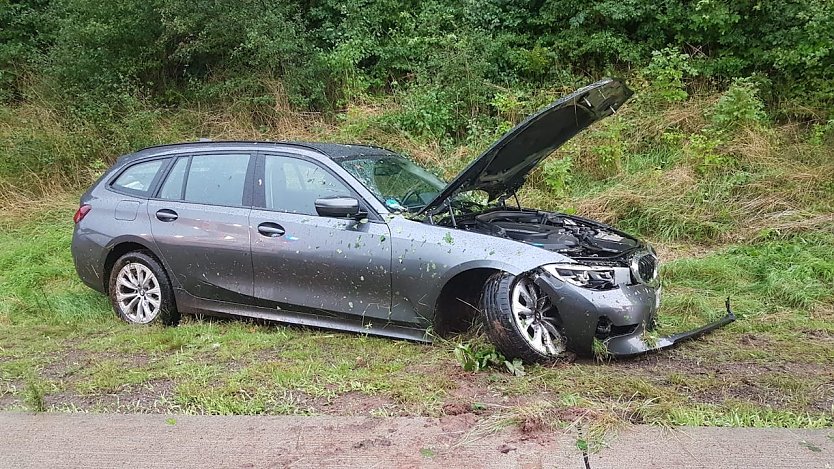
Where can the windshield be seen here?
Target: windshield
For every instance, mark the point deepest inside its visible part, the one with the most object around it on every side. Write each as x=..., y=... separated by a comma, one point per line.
x=398, y=183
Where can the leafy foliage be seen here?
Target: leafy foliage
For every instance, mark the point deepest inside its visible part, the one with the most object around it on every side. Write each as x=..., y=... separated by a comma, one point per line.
x=447, y=62
x=739, y=106
x=667, y=70
x=479, y=357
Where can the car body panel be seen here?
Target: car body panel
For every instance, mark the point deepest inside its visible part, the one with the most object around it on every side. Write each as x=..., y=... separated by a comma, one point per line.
x=301, y=316
x=323, y=263
x=101, y=231
x=426, y=257
x=206, y=248
x=638, y=344
x=581, y=308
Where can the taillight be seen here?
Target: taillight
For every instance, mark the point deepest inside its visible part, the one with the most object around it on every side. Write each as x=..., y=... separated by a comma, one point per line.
x=81, y=213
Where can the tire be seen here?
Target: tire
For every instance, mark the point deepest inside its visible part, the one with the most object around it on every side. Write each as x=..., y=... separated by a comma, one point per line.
x=140, y=291
x=504, y=330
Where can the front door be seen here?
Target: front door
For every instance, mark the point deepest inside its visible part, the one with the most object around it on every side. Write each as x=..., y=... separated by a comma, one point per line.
x=308, y=263
x=200, y=222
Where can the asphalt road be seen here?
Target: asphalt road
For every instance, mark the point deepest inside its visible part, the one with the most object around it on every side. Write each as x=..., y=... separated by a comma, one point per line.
x=54, y=440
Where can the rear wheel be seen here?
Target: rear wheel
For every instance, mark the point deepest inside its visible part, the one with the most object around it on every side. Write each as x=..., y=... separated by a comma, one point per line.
x=520, y=320
x=140, y=291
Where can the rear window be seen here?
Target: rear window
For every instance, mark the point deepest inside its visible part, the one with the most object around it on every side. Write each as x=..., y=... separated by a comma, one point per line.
x=139, y=177
x=172, y=187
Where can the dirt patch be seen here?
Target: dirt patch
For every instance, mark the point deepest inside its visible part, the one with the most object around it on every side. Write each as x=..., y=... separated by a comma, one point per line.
x=754, y=340
x=456, y=408
x=153, y=397
x=458, y=423
x=778, y=385
x=533, y=425
x=664, y=364
x=353, y=403
x=9, y=401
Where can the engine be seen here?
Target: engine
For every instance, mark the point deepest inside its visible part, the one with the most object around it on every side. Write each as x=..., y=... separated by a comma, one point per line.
x=566, y=234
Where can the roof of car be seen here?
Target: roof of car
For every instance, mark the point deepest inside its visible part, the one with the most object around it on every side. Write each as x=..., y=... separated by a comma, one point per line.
x=332, y=150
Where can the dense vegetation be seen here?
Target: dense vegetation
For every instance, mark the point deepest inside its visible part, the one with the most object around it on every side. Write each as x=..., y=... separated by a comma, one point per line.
x=328, y=53
x=724, y=159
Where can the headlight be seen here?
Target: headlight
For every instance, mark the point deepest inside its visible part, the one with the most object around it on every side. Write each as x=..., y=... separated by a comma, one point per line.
x=644, y=268
x=585, y=276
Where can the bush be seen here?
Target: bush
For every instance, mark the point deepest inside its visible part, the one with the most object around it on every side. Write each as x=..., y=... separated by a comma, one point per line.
x=558, y=174
x=666, y=71
x=739, y=106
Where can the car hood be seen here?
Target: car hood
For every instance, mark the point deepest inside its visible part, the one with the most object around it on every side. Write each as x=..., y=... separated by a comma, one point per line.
x=502, y=168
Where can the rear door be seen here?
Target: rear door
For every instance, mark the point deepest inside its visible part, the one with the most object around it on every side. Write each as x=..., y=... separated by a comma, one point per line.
x=200, y=223
x=308, y=263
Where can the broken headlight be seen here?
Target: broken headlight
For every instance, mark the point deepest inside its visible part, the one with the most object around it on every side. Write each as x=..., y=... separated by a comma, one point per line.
x=644, y=267
x=585, y=276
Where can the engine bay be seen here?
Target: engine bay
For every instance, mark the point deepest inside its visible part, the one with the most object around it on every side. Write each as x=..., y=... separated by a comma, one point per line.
x=573, y=236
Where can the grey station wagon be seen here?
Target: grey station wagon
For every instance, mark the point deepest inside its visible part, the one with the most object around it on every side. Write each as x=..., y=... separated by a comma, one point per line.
x=358, y=238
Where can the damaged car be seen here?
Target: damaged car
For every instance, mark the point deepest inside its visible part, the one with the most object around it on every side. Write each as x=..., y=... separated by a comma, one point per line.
x=358, y=238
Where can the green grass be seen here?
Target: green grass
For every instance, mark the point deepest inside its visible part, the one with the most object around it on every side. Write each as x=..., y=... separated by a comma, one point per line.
x=63, y=348
x=751, y=219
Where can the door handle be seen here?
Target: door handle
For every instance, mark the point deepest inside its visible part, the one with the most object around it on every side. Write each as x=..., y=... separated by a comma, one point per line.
x=166, y=215
x=271, y=230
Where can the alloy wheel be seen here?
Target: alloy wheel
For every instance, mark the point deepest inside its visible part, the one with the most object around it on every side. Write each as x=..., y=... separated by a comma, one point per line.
x=530, y=308
x=138, y=295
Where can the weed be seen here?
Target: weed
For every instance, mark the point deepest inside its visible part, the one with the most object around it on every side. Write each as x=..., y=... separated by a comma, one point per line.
x=821, y=133
x=600, y=349
x=611, y=149
x=34, y=395
x=515, y=367
x=703, y=149
x=477, y=357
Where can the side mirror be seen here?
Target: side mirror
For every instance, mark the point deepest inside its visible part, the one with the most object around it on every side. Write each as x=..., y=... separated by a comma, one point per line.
x=339, y=207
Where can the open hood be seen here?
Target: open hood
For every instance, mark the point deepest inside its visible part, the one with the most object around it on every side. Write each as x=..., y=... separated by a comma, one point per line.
x=502, y=168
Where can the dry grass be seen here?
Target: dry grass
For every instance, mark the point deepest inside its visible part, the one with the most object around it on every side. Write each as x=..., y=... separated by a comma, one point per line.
x=617, y=201
x=688, y=116
x=754, y=145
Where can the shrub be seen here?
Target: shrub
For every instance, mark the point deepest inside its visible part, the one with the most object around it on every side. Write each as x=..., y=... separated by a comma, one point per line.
x=666, y=71
x=558, y=174
x=739, y=106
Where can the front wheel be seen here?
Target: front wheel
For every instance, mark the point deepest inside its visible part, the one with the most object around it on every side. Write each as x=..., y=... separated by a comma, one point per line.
x=520, y=320
x=140, y=291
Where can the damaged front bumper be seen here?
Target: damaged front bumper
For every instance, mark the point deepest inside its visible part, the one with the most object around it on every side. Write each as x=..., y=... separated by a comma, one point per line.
x=617, y=318
x=626, y=346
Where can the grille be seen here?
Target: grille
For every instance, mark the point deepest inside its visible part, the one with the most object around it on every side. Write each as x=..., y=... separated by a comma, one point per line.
x=644, y=267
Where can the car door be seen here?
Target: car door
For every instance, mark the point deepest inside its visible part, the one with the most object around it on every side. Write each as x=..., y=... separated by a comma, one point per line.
x=200, y=224
x=309, y=263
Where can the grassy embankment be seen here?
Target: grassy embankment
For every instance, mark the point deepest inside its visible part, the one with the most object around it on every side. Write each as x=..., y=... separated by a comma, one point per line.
x=745, y=211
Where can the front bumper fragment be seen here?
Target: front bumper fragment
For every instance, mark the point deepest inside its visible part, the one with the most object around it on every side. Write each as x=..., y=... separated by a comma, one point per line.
x=626, y=346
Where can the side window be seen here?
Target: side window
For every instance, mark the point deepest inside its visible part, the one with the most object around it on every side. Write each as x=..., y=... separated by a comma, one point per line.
x=293, y=185
x=139, y=177
x=172, y=187
x=217, y=179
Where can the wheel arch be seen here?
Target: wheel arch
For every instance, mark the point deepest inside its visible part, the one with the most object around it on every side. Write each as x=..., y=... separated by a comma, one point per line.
x=121, y=247
x=456, y=307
